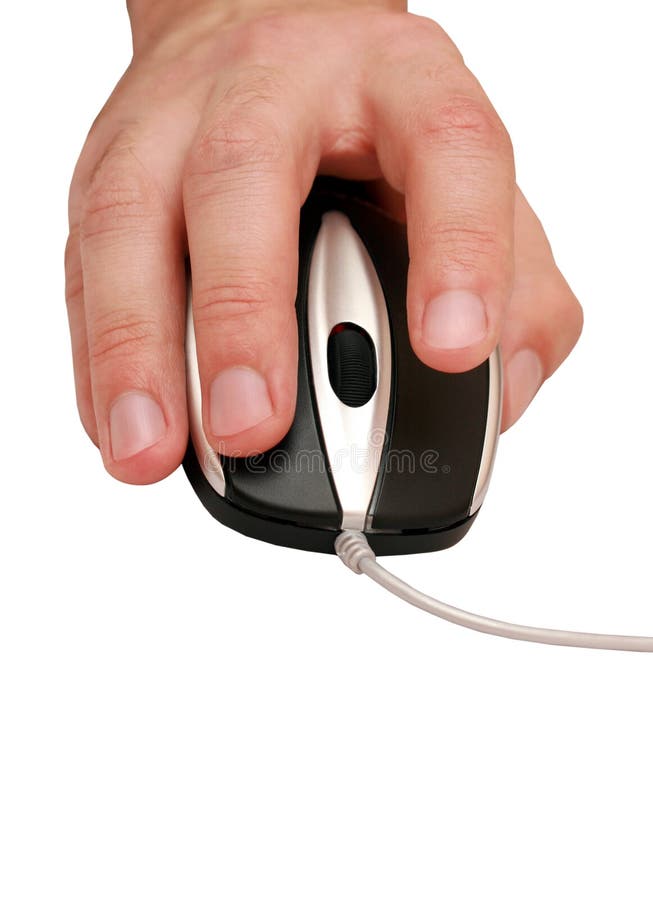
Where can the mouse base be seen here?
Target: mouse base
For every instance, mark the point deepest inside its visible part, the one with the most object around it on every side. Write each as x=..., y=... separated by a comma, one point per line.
x=319, y=540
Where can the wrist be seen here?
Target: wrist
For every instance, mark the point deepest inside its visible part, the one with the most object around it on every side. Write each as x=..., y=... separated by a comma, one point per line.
x=153, y=19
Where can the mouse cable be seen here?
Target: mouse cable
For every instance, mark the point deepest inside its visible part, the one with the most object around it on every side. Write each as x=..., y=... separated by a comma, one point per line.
x=353, y=549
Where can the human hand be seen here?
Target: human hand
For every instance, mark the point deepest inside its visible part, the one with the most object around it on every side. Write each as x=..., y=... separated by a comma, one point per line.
x=209, y=145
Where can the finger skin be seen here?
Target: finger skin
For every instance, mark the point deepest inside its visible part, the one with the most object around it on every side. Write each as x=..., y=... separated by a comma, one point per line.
x=442, y=145
x=246, y=177
x=544, y=319
x=77, y=326
x=132, y=259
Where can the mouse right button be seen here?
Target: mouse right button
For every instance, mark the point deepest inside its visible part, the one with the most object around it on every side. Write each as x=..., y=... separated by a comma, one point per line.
x=437, y=463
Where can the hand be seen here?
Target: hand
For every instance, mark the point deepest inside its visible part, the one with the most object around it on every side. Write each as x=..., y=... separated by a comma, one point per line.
x=209, y=145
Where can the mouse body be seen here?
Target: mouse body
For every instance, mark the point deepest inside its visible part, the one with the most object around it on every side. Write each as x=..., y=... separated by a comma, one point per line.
x=380, y=442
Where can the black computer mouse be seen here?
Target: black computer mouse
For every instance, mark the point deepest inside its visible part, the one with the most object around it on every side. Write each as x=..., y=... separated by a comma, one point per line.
x=380, y=442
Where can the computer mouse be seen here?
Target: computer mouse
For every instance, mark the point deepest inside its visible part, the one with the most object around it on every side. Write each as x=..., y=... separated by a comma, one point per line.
x=381, y=443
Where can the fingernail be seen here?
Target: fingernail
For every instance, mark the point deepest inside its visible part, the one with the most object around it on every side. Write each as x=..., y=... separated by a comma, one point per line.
x=239, y=400
x=524, y=377
x=454, y=319
x=136, y=421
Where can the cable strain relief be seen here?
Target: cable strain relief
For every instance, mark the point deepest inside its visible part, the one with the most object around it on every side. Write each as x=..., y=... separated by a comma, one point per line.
x=352, y=548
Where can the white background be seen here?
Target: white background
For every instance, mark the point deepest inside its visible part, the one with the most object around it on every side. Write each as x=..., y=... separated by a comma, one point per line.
x=187, y=713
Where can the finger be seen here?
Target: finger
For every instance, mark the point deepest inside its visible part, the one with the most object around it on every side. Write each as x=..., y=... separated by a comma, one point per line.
x=132, y=259
x=544, y=318
x=77, y=325
x=251, y=167
x=447, y=151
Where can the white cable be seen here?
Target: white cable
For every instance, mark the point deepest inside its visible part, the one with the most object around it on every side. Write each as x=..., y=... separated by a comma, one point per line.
x=356, y=553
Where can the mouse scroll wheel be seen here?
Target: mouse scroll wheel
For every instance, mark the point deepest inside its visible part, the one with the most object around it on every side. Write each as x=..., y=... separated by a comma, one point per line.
x=351, y=361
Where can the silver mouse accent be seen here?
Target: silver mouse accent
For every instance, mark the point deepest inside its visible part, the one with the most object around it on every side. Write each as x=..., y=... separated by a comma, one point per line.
x=343, y=287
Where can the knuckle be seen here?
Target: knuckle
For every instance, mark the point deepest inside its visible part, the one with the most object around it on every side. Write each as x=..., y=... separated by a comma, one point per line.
x=121, y=194
x=260, y=86
x=243, y=134
x=234, y=142
x=465, y=246
x=229, y=305
x=122, y=338
x=465, y=123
